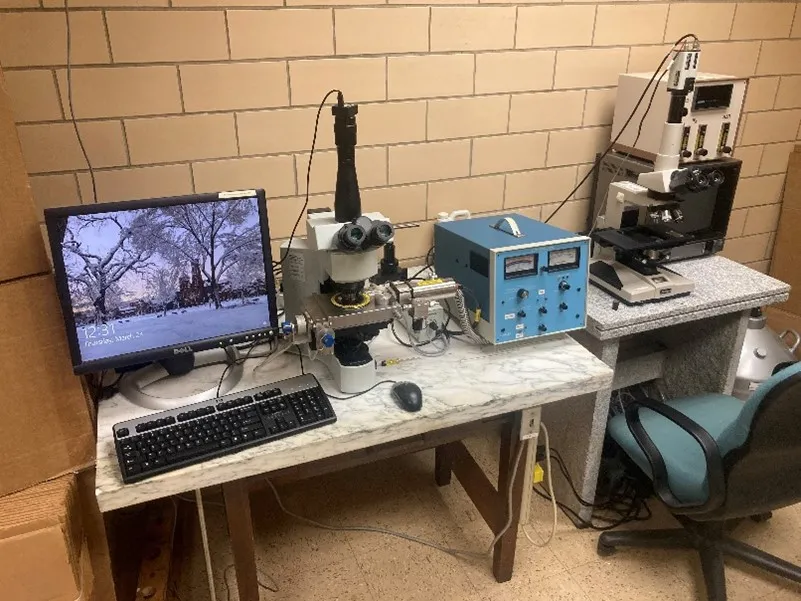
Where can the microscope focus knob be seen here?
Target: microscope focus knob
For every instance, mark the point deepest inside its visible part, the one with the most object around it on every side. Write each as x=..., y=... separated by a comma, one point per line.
x=563, y=285
x=327, y=340
x=543, y=310
x=522, y=294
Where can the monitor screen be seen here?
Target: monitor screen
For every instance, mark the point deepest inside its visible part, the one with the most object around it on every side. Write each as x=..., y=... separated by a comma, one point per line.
x=145, y=280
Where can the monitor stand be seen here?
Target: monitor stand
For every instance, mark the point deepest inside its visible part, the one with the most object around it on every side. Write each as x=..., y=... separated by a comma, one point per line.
x=132, y=385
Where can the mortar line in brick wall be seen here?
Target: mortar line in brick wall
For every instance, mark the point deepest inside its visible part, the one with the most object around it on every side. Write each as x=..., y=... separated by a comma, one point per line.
x=314, y=106
x=192, y=176
x=236, y=135
x=61, y=103
x=517, y=19
x=125, y=141
x=227, y=34
x=300, y=192
x=374, y=55
x=107, y=35
x=386, y=78
x=665, y=28
x=594, y=23
x=430, y=17
x=180, y=92
x=333, y=30
x=386, y=159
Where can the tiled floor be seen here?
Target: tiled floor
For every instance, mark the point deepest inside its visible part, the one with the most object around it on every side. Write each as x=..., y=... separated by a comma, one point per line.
x=309, y=564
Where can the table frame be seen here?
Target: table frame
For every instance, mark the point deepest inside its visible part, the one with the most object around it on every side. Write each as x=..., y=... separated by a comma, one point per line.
x=451, y=458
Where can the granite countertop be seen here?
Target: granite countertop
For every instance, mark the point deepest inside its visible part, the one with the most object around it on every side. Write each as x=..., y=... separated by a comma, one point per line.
x=721, y=286
x=468, y=383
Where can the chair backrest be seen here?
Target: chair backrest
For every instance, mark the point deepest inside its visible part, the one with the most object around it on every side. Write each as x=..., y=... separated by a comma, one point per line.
x=762, y=448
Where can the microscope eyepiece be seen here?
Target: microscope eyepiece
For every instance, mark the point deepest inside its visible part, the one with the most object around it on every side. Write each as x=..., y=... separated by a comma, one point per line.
x=380, y=234
x=351, y=237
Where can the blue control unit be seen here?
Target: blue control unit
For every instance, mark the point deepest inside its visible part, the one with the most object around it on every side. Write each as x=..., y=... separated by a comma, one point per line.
x=527, y=278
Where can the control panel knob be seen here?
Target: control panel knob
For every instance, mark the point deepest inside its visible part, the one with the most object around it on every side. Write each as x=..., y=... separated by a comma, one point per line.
x=543, y=310
x=542, y=327
x=521, y=314
x=564, y=285
x=686, y=154
x=522, y=294
x=702, y=152
x=563, y=306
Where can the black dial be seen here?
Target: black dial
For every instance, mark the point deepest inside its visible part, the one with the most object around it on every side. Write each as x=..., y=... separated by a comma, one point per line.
x=563, y=285
x=542, y=327
x=543, y=310
x=522, y=294
x=563, y=306
x=521, y=314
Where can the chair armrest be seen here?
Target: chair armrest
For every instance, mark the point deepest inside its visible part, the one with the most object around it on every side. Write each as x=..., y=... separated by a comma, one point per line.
x=714, y=462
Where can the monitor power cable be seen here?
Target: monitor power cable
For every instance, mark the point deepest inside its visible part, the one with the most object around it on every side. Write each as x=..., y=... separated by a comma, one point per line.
x=601, y=157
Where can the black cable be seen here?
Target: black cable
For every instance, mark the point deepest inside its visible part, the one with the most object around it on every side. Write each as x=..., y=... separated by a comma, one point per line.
x=429, y=264
x=230, y=364
x=70, y=103
x=628, y=154
x=300, y=356
x=353, y=396
x=308, y=175
x=601, y=157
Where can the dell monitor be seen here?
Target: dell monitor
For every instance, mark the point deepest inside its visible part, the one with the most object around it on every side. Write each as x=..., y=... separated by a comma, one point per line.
x=157, y=280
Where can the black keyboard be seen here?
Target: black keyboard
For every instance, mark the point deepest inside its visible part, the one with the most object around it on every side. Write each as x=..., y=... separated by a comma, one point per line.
x=173, y=439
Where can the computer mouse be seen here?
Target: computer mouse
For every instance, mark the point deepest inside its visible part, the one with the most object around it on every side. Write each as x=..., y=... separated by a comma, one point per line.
x=408, y=396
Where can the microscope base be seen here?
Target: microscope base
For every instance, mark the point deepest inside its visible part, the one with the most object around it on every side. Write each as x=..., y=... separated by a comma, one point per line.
x=350, y=378
x=635, y=288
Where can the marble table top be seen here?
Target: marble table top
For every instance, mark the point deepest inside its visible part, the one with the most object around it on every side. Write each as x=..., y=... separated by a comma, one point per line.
x=721, y=286
x=466, y=384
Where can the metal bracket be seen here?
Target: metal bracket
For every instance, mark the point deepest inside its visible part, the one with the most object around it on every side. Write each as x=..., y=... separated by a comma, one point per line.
x=513, y=229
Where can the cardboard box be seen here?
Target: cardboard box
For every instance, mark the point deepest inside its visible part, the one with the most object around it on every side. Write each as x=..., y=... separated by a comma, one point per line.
x=787, y=250
x=22, y=251
x=47, y=426
x=40, y=543
x=97, y=548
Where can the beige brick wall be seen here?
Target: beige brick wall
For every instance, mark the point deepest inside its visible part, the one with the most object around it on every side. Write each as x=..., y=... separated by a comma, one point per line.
x=485, y=105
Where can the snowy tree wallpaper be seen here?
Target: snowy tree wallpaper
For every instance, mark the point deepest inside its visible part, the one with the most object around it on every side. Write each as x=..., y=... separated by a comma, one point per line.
x=164, y=276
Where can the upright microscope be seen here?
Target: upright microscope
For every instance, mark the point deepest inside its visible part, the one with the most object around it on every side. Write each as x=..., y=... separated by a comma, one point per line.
x=660, y=203
x=327, y=294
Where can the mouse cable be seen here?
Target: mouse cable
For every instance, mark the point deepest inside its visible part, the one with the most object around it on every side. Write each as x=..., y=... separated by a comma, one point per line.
x=409, y=537
x=353, y=396
x=308, y=174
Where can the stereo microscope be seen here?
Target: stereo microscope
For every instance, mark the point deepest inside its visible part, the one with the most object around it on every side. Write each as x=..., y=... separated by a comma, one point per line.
x=328, y=297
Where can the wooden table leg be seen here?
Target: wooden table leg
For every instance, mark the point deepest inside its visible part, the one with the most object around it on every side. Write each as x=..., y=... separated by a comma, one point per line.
x=503, y=558
x=443, y=466
x=240, y=531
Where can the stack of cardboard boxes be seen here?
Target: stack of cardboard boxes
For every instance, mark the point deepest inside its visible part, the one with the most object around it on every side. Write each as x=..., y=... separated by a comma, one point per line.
x=46, y=419
x=786, y=263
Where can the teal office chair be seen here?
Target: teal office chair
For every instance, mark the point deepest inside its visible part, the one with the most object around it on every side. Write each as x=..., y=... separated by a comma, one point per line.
x=712, y=458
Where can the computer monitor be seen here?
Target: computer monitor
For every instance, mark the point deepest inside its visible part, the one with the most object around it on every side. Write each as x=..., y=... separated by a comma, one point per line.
x=150, y=280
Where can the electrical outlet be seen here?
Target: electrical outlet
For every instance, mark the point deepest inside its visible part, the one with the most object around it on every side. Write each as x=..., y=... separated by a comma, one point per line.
x=530, y=423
